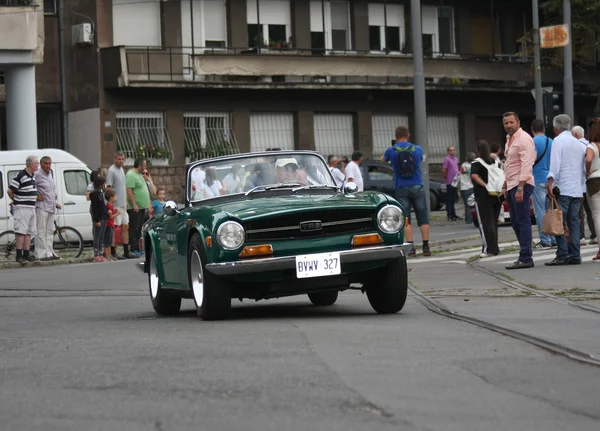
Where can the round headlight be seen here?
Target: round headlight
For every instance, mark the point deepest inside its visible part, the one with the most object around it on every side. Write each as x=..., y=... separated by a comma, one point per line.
x=390, y=219
x=230, y=235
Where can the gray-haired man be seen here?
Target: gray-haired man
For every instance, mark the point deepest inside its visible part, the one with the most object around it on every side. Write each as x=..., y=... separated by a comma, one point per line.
x=578, y=133
x=23, y=191
x=45, y=209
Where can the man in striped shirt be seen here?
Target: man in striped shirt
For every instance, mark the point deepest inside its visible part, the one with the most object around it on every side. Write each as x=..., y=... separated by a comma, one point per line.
x=23, y=192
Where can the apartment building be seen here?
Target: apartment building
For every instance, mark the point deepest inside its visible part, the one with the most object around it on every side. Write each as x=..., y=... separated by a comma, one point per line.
x=182, y=79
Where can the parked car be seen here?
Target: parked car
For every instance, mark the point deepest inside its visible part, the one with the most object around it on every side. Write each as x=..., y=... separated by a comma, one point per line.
x=380, y=177
x=504, y=212
x=286, y=230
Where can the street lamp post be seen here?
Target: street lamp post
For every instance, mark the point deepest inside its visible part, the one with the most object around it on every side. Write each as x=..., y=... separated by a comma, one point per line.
x=539, y=105
x=568, y=64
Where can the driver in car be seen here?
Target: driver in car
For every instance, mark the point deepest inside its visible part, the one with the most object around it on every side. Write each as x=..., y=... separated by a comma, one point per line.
x=288, y=171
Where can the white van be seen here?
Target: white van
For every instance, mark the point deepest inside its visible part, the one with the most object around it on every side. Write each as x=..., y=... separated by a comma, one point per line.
x=71, y=176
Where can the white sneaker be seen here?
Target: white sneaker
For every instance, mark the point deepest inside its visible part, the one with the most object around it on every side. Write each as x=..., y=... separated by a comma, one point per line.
x=594, y=241
x=583, y=241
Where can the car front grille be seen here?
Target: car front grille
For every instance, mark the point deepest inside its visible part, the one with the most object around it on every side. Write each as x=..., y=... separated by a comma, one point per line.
x=333, y=222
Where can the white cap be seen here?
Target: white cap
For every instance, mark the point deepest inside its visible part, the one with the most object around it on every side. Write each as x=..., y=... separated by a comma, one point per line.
x=282, y=162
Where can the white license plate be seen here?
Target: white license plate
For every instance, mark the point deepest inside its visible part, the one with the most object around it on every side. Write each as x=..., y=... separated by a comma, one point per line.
x=318, y=265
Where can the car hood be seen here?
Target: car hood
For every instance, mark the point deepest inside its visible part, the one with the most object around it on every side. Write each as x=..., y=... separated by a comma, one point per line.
x=258, y=207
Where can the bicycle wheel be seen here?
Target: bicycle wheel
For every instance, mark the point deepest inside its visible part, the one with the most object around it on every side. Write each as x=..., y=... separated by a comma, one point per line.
x=67, y=243
x=8, y=246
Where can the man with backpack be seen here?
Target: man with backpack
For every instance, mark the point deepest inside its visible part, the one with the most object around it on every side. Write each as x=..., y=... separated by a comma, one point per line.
x=406, y=160
x=519, y=185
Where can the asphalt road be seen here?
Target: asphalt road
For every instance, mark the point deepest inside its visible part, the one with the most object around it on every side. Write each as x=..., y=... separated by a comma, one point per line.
x=81, y=349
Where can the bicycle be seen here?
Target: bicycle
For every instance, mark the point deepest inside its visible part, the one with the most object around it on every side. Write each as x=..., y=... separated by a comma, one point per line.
x=67, y=242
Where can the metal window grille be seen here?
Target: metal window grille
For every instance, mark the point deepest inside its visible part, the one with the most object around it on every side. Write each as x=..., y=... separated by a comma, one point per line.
x=143, y=134
x=442, y=132
x=208, y=134
x=334, y=134
x=270, y=130
x=384, y=128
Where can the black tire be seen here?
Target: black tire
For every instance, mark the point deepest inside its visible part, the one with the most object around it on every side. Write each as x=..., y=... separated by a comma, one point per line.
x=8, y=246
x=323, y=299
x=67, y=242
x=433, y=201
x=212, y=296
x=387, y=293
x=164, y=302
x=476, y=223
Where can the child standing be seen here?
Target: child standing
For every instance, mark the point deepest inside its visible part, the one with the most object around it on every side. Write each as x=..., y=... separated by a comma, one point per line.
x=99, y=216
x=112, y=212
x=157, y=205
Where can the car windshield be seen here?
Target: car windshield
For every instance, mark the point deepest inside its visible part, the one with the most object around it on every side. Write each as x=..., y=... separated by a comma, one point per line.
x=242, y=174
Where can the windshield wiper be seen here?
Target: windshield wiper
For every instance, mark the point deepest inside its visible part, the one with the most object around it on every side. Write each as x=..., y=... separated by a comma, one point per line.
x=272, y=187
x=316, y=186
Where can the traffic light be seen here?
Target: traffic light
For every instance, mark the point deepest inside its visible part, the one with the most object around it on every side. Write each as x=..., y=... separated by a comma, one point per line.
x=552, y=108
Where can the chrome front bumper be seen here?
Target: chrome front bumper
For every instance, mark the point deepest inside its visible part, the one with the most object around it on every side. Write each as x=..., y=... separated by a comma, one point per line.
x=365, y=254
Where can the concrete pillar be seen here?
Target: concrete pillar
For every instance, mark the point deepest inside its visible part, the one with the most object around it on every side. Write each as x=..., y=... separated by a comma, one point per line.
x=175, y=129
x=304, y=130
x=364, y=133
x=360, y=26
x=21, y=117
x=241, y=128
x=237, y=24
x=301, y=37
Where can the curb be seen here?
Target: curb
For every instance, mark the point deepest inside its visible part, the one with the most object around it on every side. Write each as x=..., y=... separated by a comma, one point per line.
x=12, y=265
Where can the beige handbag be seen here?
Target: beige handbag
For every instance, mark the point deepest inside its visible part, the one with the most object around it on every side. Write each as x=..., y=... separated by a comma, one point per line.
x=552, y=223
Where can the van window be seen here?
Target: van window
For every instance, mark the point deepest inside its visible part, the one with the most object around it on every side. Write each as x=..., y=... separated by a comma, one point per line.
x=11, y=176
x=76, y=182
x=1, y=186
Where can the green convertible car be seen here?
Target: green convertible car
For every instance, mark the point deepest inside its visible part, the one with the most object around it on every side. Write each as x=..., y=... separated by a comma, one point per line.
x=273, y=224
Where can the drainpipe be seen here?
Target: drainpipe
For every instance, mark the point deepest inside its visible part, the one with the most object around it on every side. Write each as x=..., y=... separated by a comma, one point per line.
x=63, y=76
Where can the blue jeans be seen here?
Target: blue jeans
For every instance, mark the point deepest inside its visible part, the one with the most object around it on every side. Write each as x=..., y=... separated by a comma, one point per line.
x=570, y=209
x=465, y=197
x=520, y=219
x=409, y=196
x=540, y=204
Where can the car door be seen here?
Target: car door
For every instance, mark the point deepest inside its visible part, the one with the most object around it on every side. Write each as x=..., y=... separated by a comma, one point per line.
x=168, y=247
x=71, y=183
x=380, y=178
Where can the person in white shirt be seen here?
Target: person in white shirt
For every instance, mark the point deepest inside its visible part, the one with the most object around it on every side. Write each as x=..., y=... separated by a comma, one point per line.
x=567, y=173
x=579, y=133
x=466, y=185
x=353, y=173
x=338, y=175
x=211, y=188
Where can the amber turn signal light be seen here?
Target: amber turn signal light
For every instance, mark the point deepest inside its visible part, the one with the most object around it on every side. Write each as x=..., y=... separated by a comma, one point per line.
x=209, y=241
x=257, y=250
x=368, y=239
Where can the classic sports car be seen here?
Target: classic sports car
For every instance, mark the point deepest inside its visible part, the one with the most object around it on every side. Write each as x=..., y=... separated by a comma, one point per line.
x=268, y=225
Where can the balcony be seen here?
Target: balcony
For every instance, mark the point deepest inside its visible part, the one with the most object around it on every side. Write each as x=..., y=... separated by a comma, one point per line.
x=21, y=29
x=285, y=68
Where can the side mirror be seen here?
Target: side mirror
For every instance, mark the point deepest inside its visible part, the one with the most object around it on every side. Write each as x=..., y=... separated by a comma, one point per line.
x=170, y=208
x=350, y=188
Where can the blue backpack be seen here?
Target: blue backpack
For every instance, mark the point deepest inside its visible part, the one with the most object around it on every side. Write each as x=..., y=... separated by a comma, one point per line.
x=406, y=161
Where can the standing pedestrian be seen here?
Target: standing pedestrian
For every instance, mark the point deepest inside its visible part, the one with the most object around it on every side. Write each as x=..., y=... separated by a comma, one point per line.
x=99, y=216
x=486, y=206
x=567, y=175
x=449, y=171
x=45, y=209
x=466, y=185
x=338, y=175
x=406, y=159
x=23, y=192
x=541, y=167
x=519, y=185
x=353, y=173
x=115, y=180
x=592, y=167
x=585, y=212
x=138, y=202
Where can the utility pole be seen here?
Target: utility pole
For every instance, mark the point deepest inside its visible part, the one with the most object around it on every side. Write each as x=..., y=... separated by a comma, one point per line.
x=568, y=64
x=420, y=110
x=539, y=103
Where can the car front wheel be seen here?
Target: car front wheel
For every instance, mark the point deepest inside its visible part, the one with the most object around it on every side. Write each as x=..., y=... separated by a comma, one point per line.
x=433, y=201
x=323, y=299
x=388, y=290
x=211, y=295
x=164, y=302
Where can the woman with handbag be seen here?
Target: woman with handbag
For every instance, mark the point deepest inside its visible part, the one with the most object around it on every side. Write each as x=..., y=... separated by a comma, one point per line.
x=592, y=170
x=487, y=205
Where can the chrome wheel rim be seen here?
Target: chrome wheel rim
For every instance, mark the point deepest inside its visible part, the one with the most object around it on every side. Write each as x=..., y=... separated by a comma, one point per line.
x=197, y=277
x=153, y=276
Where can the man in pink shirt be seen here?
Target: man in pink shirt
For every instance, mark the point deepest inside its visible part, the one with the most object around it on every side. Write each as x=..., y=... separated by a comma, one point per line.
x=519, y=185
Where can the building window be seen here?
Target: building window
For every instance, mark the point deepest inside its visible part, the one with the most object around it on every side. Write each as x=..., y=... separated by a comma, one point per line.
x=334, y=134
x=384, y=127
x=442, y=132
x=136, y=23
x=209, y=24
x=446, y=29
x=330, y=26
x=386, y=27
x=143, y=134
x=208, y=134
x=269, y=23
x=438, y=30
x=50, y=7
x=271, y=130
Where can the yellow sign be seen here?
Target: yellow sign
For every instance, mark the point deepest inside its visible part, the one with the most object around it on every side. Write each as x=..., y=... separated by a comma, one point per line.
x=554, y=36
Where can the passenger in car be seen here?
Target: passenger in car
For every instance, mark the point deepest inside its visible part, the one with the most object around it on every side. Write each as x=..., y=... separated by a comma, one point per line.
x=232, y=183
x=288, y=171
x=211, y=187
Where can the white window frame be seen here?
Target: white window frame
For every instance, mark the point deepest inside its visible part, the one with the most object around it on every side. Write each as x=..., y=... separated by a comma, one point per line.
x=377, y=14
x=316, y=23
x=251, y=18
x=432, y=12
x=150, y=40
x=200, y=18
